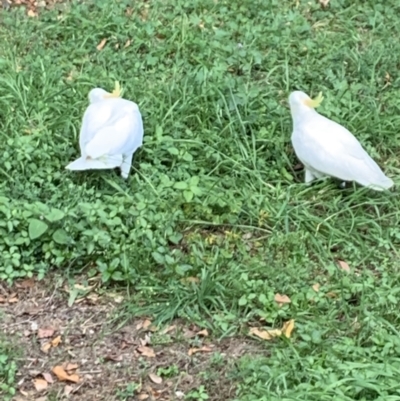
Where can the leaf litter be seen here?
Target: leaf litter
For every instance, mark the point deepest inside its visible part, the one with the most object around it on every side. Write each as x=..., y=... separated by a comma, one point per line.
x=88, y=359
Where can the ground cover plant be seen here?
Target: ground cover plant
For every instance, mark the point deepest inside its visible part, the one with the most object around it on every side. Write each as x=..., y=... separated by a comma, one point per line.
x=214, y=225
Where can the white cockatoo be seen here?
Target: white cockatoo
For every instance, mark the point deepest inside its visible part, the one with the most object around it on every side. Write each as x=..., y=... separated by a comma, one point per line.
x=328, y=149
x=111, y=132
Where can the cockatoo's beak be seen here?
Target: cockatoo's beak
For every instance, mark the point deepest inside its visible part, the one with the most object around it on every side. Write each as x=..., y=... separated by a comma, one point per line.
x=314, y=103
x=117, y=92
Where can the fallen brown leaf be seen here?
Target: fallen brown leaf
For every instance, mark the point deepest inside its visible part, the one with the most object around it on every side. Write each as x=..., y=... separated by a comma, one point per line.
x=32, y=13
x=45, y=347
x=27, y=283
x=265, y=334
x=189, y=333
x=203, y=333
x=114, y=358
x=287, y=328
x=202, y=349
x=190, y=280
x=46, y=332
x=315, y=287
x=147, y=351
x=68, y=390
x=331, y=294
x=282, y=299
x=146, y=323
x=62, y=375
x=168, y=329
x=101, y=45
x=343, y=265
x=48, y=377
x=143, y=325
x=56, y=341
x=155, y=379
x=40, y=384
x=143, y=396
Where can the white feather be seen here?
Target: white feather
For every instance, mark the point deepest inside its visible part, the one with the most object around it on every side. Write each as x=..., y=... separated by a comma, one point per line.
x=328, y=149
x=111, y=132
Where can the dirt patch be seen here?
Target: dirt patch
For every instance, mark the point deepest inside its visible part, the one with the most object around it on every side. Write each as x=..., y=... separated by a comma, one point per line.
x=33, y=7
x=103, y=361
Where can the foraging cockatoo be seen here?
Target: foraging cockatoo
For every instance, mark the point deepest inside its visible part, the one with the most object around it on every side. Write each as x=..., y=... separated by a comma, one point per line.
x=328, y=149
x=111, y=132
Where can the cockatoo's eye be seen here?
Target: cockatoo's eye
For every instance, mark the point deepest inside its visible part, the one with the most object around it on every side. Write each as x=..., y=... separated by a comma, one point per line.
x=117, y=92
x=314, y=102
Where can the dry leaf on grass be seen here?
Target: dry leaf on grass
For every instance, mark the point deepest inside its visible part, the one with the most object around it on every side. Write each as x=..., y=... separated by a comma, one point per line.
x=40, y=384
x=46, y=332
x=331, y=294
x=62, y=375
x=265, y=334
x=190, y=280
x=203, y=333
x=282, y=299
x=324, y=3
x=286, y=330
x=316, y=287
x=147, y=351
x=101, y=45
x=32, y=13
x=155, y=379
x=146, y=324
x=343, y=265
x=202, y=349
x=143, y=325
x=168, y=329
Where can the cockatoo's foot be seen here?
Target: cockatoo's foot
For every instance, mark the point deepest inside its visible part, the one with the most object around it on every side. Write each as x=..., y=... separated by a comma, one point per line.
x=309, y=176
x=126, y=166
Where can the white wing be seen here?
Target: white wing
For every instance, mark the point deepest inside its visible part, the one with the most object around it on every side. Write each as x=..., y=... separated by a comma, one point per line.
x=332, y=150
x=120, y=134
x=95, y=117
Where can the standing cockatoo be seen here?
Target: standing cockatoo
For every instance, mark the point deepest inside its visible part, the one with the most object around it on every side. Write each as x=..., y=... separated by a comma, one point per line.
x=111, y=132
x=328, y=149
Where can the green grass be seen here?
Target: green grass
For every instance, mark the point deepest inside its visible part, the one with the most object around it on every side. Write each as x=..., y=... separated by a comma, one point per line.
x=213, y=193
x=8, y=369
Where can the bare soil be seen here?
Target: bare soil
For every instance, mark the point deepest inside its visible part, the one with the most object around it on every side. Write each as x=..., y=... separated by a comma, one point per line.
x=101, y=360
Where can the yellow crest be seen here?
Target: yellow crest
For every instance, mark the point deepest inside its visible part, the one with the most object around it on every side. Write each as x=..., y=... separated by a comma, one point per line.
x=117, y=92
x=314, y=103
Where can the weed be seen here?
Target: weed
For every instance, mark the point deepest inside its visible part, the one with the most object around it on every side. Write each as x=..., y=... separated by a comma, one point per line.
x=8, y=370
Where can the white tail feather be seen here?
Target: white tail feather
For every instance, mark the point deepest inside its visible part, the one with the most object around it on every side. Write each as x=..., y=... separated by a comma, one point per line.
x=84, y=163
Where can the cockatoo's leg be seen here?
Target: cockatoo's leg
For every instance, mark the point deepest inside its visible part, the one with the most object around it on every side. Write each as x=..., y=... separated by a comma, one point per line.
x=309, y=176
x=126, y=165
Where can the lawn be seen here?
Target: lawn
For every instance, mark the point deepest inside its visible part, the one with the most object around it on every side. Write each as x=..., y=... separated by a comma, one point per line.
x=214, y=224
